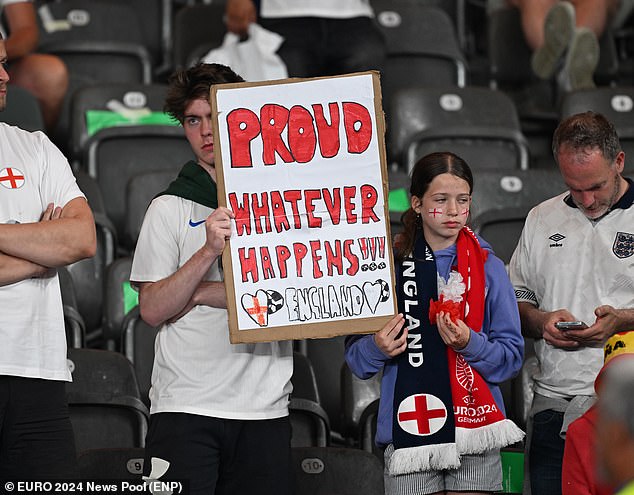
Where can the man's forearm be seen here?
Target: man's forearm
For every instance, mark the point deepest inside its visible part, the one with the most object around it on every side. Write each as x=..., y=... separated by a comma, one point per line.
x=211, y=294
x=14, y=269
x=532, y=320
x=53, y=243
x=626, y=320
x=162, y=300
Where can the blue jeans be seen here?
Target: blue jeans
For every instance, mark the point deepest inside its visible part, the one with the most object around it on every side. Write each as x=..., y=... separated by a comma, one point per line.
x=546, y=453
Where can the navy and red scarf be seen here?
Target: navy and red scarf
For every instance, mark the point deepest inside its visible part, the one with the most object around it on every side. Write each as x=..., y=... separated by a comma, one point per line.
x=442, y=407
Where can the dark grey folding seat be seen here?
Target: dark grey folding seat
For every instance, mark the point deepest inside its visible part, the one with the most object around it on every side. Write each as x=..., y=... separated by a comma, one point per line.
x=104, y=400
x=334, y=470
x=479, y=124
x=197, y=29
x=100, y=106
x=111, y=464
x=98, y=41
x=616, y=103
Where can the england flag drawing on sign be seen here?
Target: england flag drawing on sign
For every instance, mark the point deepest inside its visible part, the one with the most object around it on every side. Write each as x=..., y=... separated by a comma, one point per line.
x=11, y=178
x=422, y=414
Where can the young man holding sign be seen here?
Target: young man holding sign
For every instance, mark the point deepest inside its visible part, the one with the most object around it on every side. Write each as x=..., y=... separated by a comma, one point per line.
x=219, y=412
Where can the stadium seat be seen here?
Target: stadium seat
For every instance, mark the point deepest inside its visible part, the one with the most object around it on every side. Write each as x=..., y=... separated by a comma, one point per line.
x=22, y=110
x=88, y=274
x=326, y=356
x=119, y=299
x=501, y=201
x=502, y=229
x=479, y=124
x=616, y=103
x=111, y=464
x=105, y=228
x=514, y=188
x=104, y=401
x=73, y=321
x=456, y=9
x=114, y=155
x=422, y=48
x=88, y=278
x=367, y=429
x=356, y=395
x=333, y=470
x=140, y=191
x=537, y=101
x=156, y=30
x=100, y=106
x=99, y=42
x=524, y=390
x=303, y=379
x=196, y=25
x=137, y=344
x=509, y=55
x=309, y=423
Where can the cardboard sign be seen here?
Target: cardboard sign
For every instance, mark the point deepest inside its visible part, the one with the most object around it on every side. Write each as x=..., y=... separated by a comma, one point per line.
x=301, y=163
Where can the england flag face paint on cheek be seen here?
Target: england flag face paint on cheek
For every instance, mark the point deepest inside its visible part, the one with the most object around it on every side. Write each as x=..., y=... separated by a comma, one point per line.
x=466, y=212
x=434, y=212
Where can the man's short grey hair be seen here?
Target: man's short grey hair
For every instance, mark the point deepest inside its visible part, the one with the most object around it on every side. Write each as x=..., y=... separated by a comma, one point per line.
x=616, y=398
x=588, y=130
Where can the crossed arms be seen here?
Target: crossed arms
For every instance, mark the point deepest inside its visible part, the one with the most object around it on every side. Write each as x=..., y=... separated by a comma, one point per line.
x=169, y=299
x=62, y=236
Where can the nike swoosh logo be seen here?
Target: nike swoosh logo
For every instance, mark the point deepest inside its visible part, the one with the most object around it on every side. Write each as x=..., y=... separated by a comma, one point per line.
x=195, y=224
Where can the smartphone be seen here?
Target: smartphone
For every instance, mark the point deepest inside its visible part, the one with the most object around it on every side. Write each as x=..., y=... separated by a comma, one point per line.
x=570, y=325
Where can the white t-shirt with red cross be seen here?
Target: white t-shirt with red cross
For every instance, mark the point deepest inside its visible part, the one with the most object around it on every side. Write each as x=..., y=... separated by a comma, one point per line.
x=33, y=173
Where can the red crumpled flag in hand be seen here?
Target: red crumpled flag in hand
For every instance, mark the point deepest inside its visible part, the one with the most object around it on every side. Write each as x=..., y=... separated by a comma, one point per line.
x=449, y=306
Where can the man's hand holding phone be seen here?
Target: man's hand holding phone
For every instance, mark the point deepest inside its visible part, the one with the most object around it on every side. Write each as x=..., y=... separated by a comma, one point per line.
x=570, y=325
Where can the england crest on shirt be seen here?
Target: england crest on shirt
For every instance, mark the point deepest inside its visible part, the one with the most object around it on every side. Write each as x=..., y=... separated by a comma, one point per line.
x=623, y=245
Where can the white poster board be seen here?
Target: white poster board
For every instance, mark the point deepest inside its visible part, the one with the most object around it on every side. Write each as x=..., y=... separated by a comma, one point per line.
x=301, y=163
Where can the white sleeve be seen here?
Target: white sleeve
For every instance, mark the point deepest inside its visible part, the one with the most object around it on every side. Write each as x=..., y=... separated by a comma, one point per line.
x=157, y=251
x=521, y=270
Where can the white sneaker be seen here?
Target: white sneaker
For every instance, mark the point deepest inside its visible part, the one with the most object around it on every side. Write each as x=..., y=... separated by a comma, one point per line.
x=559, y=28
x=581, y=61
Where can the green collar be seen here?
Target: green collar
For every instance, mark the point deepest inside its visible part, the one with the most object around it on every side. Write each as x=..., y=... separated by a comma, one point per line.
x=194, y=183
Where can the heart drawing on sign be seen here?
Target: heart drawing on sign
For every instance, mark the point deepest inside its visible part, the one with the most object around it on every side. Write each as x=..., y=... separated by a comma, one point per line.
x=257, y=307
x=372, y=292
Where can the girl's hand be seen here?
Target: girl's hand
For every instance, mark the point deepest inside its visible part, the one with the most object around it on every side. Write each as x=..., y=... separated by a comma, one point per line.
x=455, y=335
x=388, y=339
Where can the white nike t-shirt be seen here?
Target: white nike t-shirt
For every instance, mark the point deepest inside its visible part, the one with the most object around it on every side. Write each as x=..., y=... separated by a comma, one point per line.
x=196, y=369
